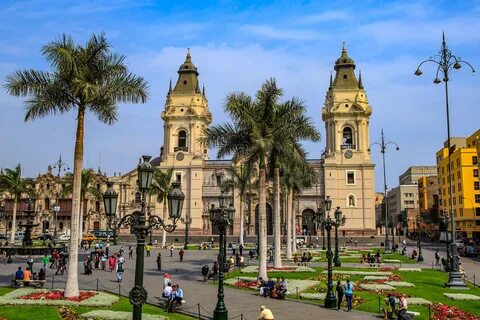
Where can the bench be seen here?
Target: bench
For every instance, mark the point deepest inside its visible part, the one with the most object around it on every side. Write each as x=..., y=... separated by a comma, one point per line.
x=31, y=283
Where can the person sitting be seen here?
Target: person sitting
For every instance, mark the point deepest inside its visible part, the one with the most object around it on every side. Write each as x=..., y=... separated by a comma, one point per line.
x=387, y=310
x=167, y=291
x=19, y=274
x=230, y=263
x=270, y=287
x=177, y=295
x=276, y=288
x=414, y=254
x=295, y=258
x=282, y=290
x=402, y=308
x=41, y=274
x=27, y=277
x=363, y=258
x=214, y=272
x=262, y=286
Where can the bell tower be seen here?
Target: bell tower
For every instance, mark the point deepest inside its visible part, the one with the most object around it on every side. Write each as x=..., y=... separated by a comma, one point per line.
x=186, y=115
x=348, y=170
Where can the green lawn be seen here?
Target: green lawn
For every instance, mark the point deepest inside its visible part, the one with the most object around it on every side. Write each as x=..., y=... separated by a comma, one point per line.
x=51, y=313
x=429, y=284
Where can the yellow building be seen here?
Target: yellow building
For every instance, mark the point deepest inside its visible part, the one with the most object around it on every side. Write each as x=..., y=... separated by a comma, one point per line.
x=465, y=185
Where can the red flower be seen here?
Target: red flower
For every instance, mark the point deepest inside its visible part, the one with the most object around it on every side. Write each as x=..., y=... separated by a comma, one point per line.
x=442, y=312
x=245, y=284
x=57, y=295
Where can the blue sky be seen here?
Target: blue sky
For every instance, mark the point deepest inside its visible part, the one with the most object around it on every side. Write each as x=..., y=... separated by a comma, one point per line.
x=237, y=45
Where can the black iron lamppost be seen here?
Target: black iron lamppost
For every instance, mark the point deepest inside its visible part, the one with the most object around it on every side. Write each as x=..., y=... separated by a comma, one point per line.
x=444, y=219
x=445, y=61
x=383, y=146
x=320, y=213
x=419, y=228
x=223, y=218
x=140, y=224
x=339, y=221
x=187, y=221
x=3, y=216
x=327, y=222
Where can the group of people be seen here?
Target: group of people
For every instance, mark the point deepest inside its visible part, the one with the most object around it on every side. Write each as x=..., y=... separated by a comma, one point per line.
x=304, y=259
x=372, y=259
x=273, y=289
x=173, y=294
x=58, y=261
x=344, y=291
x=390, y=309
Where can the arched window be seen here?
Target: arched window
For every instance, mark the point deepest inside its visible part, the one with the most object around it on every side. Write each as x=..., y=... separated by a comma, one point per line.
x=182, y=139
x=138, y=197
x=351, y=201
x=60, y=226
x=347, y=137
x=47, y=203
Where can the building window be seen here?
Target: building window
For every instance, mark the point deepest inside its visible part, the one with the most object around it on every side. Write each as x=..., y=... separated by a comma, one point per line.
x=476, y=185
x=474, y=160
x=475, y=173
x=47, y=203
x=477, y=198
x=477, y=222
x=178, y=177
x=454, y=201
x=348, y=138
x=461, y=212
x=351, y=200
x=460, y=199
x=458, y=163
x=60, y=225
x=459, y=187
x=182, y=139
x=459, y=175
x=453, y=189
x=350, y=177
x=477, y=212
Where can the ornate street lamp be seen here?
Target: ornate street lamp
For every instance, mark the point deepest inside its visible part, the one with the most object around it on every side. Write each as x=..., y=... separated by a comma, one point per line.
x=327, y=222
x=223, y=219
x=444, y=62
x=383, y=147
x=419, y=227
x=140, y=224
x=340, y=220
x=444, y=219
x=319, y=214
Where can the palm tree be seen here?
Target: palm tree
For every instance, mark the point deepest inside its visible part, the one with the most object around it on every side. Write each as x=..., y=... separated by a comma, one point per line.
x=83, y=78
x=12, y=183
x=261, y=126
x=241, y=180
x=161, y=186
x=86, y=189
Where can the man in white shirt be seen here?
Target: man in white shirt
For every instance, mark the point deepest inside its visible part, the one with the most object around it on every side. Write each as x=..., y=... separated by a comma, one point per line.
x=167, y=291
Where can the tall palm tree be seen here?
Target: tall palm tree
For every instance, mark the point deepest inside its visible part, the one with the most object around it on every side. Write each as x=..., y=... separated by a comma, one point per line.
x=261, y=126
x=292, y=125
x=83, y=78
x=241, y=181
x=12, y=183
x=86, y=188
x=161, y=186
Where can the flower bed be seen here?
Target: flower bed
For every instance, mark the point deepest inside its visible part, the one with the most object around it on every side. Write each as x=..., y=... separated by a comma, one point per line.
x=462, y=296
x=253, y=269
x=118, y=315
x=360, y=273
x=442, y=312
x=392, y=260
x=369, y=278
x=292, y=284
x=399, y=284
x=388, y=268
x=410, y=269
x=57, y=295
x=30, y=296
x=313, y=296
x=376, y=287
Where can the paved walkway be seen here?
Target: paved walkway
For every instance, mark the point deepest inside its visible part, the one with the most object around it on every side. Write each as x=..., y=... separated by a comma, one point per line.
x=187, y=274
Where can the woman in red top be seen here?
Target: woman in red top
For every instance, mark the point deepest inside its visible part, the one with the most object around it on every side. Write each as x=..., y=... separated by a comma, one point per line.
x=112, y=262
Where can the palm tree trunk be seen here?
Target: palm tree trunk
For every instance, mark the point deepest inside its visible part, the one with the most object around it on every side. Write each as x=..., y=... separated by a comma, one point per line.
x=242, y=222
x=262, y=226
x=289, y=224
x=14, y=221
x=71, y=287
x=277, y=221
x=80, y=224
x=164, y=233
x=294, y=228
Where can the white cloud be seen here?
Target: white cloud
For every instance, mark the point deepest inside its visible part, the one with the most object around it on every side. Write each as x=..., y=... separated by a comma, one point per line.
x=271, y=32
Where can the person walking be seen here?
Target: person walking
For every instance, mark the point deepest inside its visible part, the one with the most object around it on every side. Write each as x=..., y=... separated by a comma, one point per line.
x=265, y=314
x=45, y=261
x=130, y=252
x=171, y=251
x=148, y=247
x=240, y=249
x=111, y=262
x=437, y=258
x=119, y=270
x=181, y=253
x=340, y=294
x=30, y=263
x=349, y=294
x=3, y=258
x=103, y=261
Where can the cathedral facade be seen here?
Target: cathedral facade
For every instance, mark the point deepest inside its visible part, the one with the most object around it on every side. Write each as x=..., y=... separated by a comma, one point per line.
x=345, y=170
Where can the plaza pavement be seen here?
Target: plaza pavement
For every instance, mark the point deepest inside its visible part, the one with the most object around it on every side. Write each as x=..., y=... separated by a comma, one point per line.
x=187, y=274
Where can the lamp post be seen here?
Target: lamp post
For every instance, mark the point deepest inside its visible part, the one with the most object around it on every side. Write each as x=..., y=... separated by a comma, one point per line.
x=339, y=221
x=3, y=216
x=383, y=147
x=327, y=222
x=187, y=221
x=56, y=210
x=140, y=224
x=222, y=217
x=419, y=228
x=445, y=61
x=445, y=220
x=319, y=214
